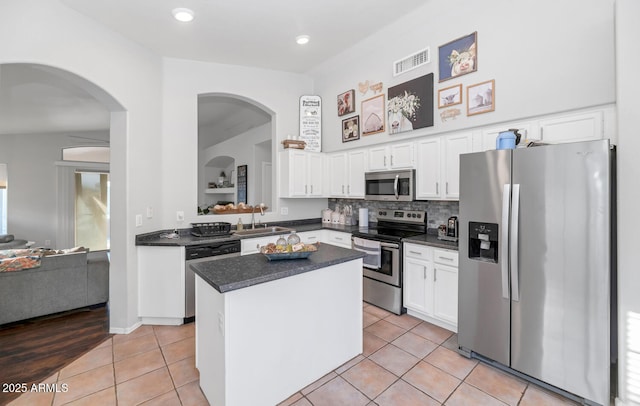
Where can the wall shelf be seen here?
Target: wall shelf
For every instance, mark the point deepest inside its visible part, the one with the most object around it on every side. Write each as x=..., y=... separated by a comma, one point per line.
x=220, y=191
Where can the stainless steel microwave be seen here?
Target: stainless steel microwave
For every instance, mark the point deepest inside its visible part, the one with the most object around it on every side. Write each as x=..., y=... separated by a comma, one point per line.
x=394, y=186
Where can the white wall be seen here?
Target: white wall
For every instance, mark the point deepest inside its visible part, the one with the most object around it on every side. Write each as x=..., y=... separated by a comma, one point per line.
x=277, y=92
x=628, y=89
x=127, y=79
x=544, y=59
x=32, y=196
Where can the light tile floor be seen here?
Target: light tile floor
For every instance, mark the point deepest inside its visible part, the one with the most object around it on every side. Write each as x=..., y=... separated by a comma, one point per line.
x=405, y=362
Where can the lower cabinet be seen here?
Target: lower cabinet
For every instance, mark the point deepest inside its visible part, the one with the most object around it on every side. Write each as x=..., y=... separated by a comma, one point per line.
x=252, y=245
x=161, y=285
x=431, y=284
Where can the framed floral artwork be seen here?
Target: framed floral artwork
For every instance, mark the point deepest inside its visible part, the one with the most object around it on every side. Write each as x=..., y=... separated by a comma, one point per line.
x=346, y=102
x=351, y=129
x=458, y=57
x=372, y=112
x=410, y=105
x=481, y=98
x=450, y=96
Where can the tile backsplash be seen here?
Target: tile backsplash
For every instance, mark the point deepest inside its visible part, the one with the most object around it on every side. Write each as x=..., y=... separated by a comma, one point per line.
x=437, y=211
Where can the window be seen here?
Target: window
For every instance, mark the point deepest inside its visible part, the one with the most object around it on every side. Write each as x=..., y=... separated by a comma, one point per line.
x=92, y=210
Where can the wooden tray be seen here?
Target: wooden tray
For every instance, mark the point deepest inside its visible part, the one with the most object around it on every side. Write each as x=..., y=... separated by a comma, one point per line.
x=295, y=144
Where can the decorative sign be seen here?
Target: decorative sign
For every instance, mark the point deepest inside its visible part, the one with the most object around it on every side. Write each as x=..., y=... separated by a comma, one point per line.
x=311, y=122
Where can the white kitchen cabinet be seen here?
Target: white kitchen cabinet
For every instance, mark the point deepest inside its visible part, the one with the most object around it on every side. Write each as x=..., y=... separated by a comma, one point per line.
x=338, y=238
x=455, y=145
x=346, y=174
x=161, y=285
x=438, y=174
x=252, y=245
x=301, y=173
x=431, y=284
x=312, y=237
x=429, y=171
x=388, y=157
x=572, y=127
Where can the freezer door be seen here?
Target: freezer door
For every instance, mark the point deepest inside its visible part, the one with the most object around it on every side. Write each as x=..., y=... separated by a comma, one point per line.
x=483, y=293
x=560, y=327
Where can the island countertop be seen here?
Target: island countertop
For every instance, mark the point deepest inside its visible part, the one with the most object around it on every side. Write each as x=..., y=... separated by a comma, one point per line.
x=234, y=273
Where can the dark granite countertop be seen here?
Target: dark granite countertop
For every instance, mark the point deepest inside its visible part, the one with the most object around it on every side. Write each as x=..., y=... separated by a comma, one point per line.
x=433, y=241
x=234, y=273
x=157, y=238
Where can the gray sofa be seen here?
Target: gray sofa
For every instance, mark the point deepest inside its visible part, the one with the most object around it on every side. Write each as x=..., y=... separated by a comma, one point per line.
x=62, y=282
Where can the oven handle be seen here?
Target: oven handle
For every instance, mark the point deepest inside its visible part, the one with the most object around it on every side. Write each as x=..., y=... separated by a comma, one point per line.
x=395, y=187
x=382, y=244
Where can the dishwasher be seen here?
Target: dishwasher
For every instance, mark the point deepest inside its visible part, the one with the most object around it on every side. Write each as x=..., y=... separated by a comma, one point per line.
x=200, y=253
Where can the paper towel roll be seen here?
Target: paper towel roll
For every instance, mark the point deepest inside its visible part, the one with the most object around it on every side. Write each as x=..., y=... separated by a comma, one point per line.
x=363, y=220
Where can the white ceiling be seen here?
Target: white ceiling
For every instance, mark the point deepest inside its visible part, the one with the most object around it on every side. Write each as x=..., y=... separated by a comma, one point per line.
x=258, y=33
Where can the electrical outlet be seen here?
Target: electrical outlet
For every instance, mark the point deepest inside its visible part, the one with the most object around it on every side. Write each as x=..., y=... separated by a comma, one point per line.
x=284, y=211
x=149, y=212
x=138, y=220
x=180, y=215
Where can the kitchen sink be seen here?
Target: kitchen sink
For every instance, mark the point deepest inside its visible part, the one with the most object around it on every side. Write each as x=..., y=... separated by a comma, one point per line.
x=263, y=231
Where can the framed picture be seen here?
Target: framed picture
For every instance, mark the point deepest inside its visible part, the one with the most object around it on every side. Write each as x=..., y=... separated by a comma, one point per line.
x=410, y=105
x=449, y=96
x=351, y=129
x=346, y=102
x=481, y=98
x=458, y=57
x=373, y=115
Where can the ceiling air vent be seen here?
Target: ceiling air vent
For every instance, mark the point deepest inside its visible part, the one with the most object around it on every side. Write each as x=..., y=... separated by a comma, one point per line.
x=412, y=61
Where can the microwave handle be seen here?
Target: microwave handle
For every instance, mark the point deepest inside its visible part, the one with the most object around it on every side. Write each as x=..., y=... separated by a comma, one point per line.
x=395, y=187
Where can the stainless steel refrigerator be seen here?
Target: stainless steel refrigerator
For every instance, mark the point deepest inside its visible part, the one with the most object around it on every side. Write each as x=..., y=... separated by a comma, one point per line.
x=536, y=270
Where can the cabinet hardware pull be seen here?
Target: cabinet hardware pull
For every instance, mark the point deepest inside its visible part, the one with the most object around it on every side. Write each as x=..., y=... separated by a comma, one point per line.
x=348, y=189
x=311, y=189
x=385, y=160
x=338, y=238
x=305, y=189
x=437, y=188
x=448, y=259
x=415, y=253
x=424, y=272
x=342, y=189
x=391, y=160
x=435, y=271
x=447, y=187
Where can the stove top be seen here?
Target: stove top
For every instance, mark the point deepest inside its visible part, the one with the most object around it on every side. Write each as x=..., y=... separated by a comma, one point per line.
x=394, y=225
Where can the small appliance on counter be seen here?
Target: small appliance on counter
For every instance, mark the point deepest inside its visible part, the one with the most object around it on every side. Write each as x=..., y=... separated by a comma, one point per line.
x=326, y=216
x=451, y=230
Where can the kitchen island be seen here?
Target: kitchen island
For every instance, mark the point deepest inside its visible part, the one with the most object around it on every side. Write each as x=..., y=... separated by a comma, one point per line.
x=265, y=330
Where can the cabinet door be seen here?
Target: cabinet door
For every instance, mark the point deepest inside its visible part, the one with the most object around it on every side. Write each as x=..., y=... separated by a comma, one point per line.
x=298, y=173
x=311, y=237
x=355, y=186
x=417, y=285
x=337, y=170
x=428, y=176
x=445, y=298
x=378, y=160
x=252, y=245
x=401, y=156
x=576, y=127
x=455, y=145
x=314, y=175
x=161, y=282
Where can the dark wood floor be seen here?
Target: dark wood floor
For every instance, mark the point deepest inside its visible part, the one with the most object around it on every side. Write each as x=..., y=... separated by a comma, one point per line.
x=33, y=350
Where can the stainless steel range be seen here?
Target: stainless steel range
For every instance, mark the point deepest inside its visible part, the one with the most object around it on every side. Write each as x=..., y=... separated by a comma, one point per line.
x=382, y=272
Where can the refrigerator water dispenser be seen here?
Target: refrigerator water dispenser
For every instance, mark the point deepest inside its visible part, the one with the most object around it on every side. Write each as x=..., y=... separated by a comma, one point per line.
x=483, y=241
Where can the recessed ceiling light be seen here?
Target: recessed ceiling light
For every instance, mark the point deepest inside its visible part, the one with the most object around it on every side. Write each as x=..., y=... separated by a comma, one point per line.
x=302, y=39
x=182, y=14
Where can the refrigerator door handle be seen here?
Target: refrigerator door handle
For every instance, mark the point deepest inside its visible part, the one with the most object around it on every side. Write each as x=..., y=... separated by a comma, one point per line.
x=504, y=246
x=515, y=212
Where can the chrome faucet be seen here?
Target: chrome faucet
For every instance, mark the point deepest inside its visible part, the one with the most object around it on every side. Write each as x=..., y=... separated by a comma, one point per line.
x=253, y=218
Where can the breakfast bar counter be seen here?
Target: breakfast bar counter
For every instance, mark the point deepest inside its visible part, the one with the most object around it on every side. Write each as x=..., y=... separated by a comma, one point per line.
x=266, y=329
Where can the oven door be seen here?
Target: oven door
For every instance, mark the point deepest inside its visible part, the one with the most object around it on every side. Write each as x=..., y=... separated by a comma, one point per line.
x=389, y=270
x=390, y=186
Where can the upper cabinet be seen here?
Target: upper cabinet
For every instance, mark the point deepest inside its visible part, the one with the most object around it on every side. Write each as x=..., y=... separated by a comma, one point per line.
x=574, y=127
x=438, y=174
x=301, y=173
x=395, y=156
x=346, y=174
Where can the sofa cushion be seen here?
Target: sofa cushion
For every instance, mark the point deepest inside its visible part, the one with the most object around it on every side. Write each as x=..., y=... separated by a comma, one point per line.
x=6, y=238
